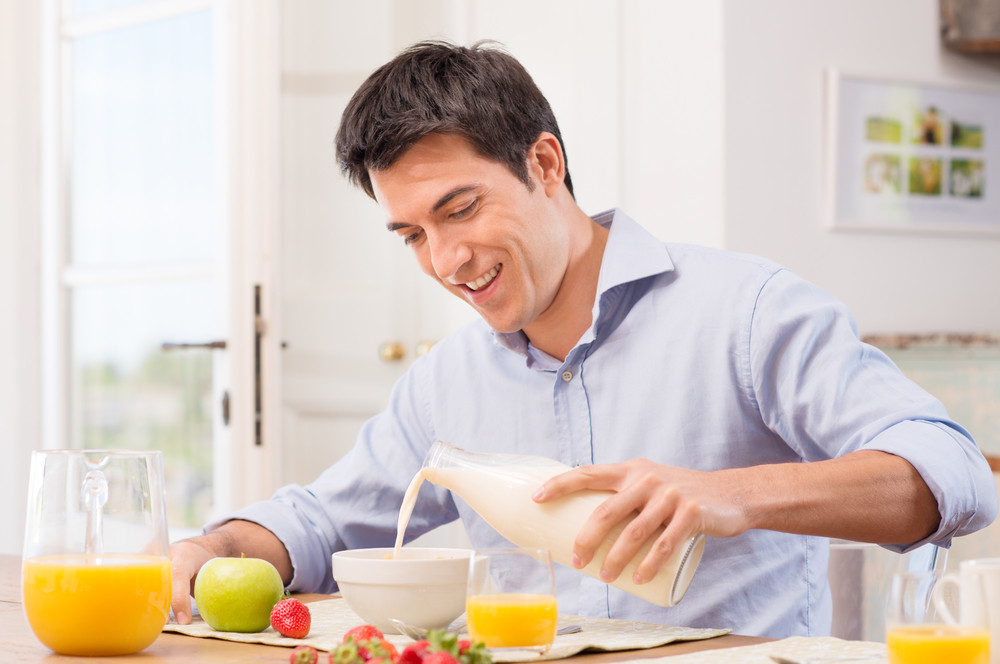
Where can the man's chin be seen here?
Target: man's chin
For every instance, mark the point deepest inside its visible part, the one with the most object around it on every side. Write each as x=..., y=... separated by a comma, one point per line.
x=497, y=317
x=498, y=325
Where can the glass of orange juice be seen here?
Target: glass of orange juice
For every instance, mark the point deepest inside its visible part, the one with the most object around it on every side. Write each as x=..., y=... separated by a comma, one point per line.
x=511, y=599
x=96, y=565
x=916, y=635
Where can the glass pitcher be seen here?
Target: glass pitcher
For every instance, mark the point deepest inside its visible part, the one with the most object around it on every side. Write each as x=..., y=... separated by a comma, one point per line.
x=96, y=565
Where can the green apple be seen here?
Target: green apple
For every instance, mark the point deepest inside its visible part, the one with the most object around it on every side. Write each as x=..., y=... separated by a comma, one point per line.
x=237, y=594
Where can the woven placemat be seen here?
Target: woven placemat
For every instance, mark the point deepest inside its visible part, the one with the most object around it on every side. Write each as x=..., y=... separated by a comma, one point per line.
x=819, y=649
x=332, y=617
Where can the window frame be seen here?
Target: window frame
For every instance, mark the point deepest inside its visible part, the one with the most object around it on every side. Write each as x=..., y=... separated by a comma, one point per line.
x=246, y=61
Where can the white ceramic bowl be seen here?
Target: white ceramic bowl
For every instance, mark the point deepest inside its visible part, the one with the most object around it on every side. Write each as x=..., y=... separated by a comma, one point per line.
x=424, y=587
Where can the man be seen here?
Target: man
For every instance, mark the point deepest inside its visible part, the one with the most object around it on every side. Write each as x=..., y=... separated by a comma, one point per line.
x=692, y=383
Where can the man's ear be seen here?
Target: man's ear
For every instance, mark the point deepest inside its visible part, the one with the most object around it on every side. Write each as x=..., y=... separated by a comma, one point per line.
x=546, y=162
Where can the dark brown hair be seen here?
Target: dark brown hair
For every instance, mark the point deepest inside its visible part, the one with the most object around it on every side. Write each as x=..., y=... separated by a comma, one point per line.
x=480, y=93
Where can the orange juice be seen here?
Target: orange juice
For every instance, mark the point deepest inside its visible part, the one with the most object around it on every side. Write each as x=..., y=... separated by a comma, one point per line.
x=936, y=644
x=96, y=605
x=512, y=620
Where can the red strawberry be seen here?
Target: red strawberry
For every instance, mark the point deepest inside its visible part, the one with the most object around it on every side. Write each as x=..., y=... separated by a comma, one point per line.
x=346, y=653
x=463, y=650
x=382, y=649
x=291, y=618
x=440, y=657
x=304, y=655
x=414, y=653
x=363, y=633
x=376, y=649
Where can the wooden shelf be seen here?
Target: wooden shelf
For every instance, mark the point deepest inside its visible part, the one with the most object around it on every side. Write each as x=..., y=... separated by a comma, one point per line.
x=971, y=26
x=975, y=46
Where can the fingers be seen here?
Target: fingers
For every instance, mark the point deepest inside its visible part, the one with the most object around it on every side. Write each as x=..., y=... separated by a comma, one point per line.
x=606, y=514
x=599, y=477
x=607, y=517
x=646, y=497
x=680, y=527
x=180, y=600
x=186, y=558
x=652, y=511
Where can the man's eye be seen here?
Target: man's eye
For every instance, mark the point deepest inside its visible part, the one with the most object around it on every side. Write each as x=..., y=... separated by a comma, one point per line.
x=412, y=237
x=465, y=211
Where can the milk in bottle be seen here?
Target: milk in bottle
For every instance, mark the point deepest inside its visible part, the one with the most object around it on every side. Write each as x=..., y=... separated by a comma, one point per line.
x=499, y=487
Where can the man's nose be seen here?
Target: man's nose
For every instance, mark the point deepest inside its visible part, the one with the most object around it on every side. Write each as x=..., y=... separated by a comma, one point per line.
x=448, y=254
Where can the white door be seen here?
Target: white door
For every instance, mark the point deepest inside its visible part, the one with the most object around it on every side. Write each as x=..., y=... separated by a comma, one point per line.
x=349, y=288
x=355, y=308
x=154, y=286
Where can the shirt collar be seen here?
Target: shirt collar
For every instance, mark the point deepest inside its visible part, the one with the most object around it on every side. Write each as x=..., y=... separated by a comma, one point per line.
x=631, y=254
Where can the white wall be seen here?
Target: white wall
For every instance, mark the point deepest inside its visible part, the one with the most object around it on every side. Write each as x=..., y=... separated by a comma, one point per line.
x=702, y=119
x=19, y=239
x=775, y=54
x=672, y=142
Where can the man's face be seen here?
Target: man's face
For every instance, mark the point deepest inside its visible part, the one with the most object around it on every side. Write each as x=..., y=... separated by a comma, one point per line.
x=476, y=228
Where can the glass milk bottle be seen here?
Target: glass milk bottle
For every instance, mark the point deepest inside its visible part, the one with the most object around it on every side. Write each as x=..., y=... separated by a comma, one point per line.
x=499, y=487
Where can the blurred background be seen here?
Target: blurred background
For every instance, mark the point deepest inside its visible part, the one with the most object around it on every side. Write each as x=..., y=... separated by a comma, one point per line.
x=183, y=268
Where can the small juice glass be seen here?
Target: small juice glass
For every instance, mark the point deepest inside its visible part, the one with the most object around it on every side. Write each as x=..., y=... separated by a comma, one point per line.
x=915, y=634
x=96, y=565
x=511, y=600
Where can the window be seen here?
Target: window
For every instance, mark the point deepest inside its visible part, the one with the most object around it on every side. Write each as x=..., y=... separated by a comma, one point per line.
x=137, y=245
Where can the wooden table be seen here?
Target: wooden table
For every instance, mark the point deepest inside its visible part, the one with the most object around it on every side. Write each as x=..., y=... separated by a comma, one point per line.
x=18, y=643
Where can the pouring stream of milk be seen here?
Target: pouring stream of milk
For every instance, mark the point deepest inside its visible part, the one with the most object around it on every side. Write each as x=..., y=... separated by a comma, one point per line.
x=406, y=509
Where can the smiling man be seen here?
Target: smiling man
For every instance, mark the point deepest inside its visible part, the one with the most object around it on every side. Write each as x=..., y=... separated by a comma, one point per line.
x=525, y=259
x=710, y=392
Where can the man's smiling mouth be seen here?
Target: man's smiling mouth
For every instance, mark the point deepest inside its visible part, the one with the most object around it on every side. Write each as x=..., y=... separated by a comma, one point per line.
x=485, y=279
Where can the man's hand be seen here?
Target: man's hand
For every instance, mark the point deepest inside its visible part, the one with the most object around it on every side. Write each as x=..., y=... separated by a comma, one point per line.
x=233, y=538
x=685, y=501
x=865, y=496
x=186, y=558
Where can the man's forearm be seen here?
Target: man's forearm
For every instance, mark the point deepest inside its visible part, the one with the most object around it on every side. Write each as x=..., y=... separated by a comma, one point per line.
x=867, y=496
x=245, y=538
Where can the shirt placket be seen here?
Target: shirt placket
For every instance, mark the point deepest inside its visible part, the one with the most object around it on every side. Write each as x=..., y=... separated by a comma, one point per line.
x=572, y=415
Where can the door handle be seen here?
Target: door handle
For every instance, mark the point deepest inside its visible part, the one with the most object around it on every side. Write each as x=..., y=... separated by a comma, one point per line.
x=392, y=351
x=258, y=334
x=209, y=345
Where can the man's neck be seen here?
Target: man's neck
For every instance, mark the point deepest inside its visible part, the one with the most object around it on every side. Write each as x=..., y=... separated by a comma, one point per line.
x=560, y=327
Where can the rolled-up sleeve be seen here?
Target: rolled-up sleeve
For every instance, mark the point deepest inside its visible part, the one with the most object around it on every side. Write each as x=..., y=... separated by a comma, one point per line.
x=827, y=394
x=297, y=519
x=952, y=467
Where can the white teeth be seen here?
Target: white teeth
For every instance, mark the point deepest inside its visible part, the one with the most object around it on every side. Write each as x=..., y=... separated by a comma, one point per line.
x=483, y=280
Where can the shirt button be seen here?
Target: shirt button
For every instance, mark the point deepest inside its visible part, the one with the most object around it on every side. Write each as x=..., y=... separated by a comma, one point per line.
x=567, y=376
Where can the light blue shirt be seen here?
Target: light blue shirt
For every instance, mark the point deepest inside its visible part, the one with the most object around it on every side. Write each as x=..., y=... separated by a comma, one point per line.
x=696, y=358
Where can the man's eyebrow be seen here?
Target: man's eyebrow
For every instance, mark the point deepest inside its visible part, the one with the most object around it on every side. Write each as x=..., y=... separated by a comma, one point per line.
x=441, y=202
x=457, y=191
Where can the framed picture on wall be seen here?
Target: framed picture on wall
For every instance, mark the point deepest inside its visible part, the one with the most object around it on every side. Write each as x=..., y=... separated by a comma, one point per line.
x=913, y=157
